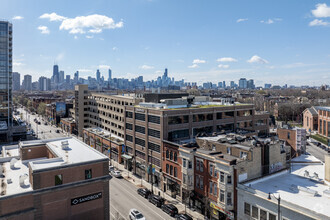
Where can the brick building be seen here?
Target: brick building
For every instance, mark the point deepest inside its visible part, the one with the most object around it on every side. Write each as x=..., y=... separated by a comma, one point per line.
x=295, y=138
x=54, y=179
x=324, y=121
x=310, y=118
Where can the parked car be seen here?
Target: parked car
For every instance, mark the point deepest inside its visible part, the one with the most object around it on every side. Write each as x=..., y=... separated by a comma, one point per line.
x=57, y=131
x=111, y=168
x=183, y=217
x=116, y=173
x=156, y=200
x=144, y=192
x=170, y=209
x=46, y=123
x=135, y=215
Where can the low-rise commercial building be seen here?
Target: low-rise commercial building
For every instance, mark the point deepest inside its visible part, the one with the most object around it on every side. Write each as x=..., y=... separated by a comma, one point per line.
x=295, y=138
x=53, y=179
x=324, y=121
x=69, y=125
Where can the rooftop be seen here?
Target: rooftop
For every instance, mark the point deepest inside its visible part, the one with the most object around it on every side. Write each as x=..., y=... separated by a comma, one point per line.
x=105, y=134
x=66, y=151
x=304, y=186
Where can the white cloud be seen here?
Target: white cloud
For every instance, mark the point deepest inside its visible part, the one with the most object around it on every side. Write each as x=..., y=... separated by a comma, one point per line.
x=18, y=18
x=226, y=59
x=194, y=66
x=241, y=20
x=319, y=22
x=53, y=17
x=89, y=36
x=114, y=48
x=44, y=29
x=16, y=64
x=223, y=66
x=146, y=67
x=198, y=61
x=91, y=23
x=104, y=66
x=269, y=21
x=257, y=59
x=321, y=11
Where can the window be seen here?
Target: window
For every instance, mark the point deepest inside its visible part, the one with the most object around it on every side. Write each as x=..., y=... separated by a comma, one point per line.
x=58, y=179
x=229, y=179
x=175, y=156
x=88, y=174
x=255, y=213
x=228, y=150
x=167, y=167
x=178, y=134
x=222, y=196
x=154, y=147
x=171, y=170
x=271, y=216
x=229, y=198
x=211, y=169
x=171, y=155
x=184, y=162
x=129, y=126
x=247, y=208
x=154, y=119
x=139, y=116
x=184, y=176
x=140, y=129
x=215, y=189
x=129, y=138
x=189, y=164
x=140, y=142
x=175, y=172
x=129, y=115
x=197, y=181
x=167, y=154
x=190, y=180
x=289, y=135
x=211, y=187
x=222, y=177
x=201, y=182
x=153, y=133
x=243, y=155
x=173, y=120
x=197, y=165
x=263, y=215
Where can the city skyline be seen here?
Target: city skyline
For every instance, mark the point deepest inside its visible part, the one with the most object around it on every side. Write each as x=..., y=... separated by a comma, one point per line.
x=274, y=45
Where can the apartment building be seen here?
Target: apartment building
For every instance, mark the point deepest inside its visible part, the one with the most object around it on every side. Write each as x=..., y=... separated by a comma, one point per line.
x=295, y=138
x=147, y=125
x=80, y=106
x=59, y=178
x=223, y=161
x=324, y=121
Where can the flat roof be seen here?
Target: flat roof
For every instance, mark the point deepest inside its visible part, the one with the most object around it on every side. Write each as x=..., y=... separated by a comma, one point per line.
x=14, y=168
x=296, y=187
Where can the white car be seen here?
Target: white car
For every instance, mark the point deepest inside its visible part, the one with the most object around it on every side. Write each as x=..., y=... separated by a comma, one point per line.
x=135, y=215
x=111, y=168
x=116, y=173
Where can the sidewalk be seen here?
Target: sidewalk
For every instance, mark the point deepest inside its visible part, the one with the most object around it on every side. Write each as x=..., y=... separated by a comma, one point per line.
x=137, y=182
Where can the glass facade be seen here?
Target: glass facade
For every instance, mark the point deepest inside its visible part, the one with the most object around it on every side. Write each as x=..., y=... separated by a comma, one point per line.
x=6, y=50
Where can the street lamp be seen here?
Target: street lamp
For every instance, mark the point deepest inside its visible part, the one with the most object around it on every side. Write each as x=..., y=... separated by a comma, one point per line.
x=278, y=203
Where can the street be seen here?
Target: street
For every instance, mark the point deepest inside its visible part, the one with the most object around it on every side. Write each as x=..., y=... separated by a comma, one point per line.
x=316, y=151
x=42, y=131
x=123, y=197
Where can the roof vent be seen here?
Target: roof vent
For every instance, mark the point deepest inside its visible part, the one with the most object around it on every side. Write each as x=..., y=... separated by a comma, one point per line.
x=12, y=163
x=65, y=145
x=22, y=179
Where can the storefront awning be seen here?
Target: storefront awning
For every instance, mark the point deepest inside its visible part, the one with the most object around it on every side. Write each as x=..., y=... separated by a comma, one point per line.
x=127, y=157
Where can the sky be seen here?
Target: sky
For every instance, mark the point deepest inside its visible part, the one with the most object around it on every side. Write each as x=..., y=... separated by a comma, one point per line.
x=278, y=42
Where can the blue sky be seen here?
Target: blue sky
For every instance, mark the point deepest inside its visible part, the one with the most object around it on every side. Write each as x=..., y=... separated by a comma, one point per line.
x=274, y=42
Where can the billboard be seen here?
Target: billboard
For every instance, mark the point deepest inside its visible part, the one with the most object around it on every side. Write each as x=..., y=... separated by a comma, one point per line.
x=60, y=109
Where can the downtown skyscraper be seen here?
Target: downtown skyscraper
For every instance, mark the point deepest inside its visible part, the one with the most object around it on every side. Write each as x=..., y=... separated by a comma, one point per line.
x=6, y=60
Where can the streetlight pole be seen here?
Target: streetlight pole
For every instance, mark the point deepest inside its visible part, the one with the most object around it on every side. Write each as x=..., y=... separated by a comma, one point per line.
x=278, y=204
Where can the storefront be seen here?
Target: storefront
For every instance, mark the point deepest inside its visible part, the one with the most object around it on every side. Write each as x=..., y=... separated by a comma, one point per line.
x=219, y=213
x=172, y=187
x=127, y=161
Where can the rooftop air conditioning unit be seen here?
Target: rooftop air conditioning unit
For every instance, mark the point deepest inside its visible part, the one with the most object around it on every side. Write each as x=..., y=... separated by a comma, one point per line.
x=65, y=145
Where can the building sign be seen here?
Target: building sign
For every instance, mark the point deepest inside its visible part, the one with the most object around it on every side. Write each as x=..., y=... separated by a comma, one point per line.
x=60, y=109
x=141, y=110
x=220, y=209
x=87, y=198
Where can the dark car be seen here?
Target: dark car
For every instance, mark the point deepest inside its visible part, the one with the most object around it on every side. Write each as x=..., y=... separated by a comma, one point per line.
x=57, y=131
x=156, y=200
x=170, y=209
x=144, y=192
x=183, y=217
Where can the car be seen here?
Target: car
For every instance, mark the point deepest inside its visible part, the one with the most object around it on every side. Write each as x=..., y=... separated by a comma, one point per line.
x=46, y=123
x=156, y=200
x=135, y=215
x=170, y=209
x=111, y=168
x=116, y=173
x=183, y=217
x=57, y=131
x=144, y=192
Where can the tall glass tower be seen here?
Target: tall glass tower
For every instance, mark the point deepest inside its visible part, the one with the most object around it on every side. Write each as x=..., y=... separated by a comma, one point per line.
x=6, y=58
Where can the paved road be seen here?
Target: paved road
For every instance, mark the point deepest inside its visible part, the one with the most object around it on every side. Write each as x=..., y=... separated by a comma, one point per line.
x=44, y=131
x=316, y=151
x=123, y=197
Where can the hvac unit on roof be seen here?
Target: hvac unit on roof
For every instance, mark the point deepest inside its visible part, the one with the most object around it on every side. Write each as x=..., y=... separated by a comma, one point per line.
x=12, y=163
x=22, y=179
x=65, y=145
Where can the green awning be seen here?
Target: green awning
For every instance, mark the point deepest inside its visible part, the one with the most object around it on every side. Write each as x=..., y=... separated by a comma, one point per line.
x=125, y=156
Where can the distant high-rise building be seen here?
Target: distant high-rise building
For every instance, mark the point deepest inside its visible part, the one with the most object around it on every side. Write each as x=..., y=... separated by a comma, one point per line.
x=76, y=77
x=110, y=75
x=61, y=77
x=165, y=73
x=49, y=82
x=98, y=76
x=220, y=84
x=16, y=81
x=27, y=82
x=55, y=74
x=232, y=84
x=242, y=83
x=268, y=86
x=67, y=79
x=224, y=84
x=43, y=84
x=6, y=56
x=250, y=84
